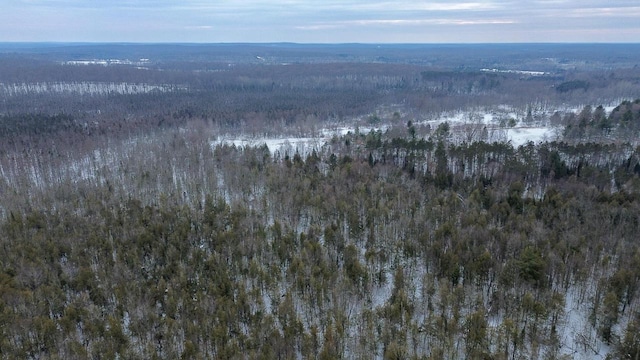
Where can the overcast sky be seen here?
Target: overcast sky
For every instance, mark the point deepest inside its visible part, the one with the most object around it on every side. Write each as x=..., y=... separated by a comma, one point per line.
x=326, y=21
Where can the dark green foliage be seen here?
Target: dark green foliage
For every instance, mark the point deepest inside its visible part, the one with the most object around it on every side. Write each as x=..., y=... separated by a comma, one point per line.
x=352, y=266
x=572, y=85
x=553, y=165
x=477, y=345
x=36, y=124
x=388, y=248
x=622, y=123
x=127, y=231
x=629, y=347
x=531, y=266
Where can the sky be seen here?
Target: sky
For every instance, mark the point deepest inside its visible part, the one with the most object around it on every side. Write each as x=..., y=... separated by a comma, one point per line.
x=325, y=21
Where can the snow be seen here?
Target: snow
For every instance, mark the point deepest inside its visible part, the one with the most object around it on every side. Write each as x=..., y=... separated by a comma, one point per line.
x=518, y=135
x=578, y=338
x=290, y=145
x=521, y=135
x=491, y=118
x=521, y=72
x=107, y=62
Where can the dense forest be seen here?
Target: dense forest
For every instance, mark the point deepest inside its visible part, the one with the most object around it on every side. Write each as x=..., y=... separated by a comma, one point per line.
x=128, y=231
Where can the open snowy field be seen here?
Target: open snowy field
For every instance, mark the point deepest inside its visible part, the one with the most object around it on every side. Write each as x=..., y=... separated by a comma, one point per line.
x=519, y=134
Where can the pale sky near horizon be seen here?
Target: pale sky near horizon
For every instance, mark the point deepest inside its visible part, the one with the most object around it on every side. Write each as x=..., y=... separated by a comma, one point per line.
x=328, y=21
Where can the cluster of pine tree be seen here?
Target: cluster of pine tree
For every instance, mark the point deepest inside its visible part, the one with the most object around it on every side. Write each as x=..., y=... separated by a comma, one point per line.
x=369, y=247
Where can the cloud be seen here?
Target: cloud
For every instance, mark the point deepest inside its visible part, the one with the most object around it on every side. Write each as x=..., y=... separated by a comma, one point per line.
x=386, y=6
x=451, y=6
x=199, y=27
x=403, y=22
x=292, y=20
x=253, y=6
x=629, y=11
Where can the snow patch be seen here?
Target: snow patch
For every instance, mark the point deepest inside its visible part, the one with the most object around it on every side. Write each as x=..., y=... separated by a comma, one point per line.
x=521, y=135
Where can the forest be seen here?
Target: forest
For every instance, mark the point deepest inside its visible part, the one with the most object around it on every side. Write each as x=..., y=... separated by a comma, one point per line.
x=129, y=230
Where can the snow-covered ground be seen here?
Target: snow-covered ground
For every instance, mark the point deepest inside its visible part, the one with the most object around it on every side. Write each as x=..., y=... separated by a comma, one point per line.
x=520, y=72
x=496, y=120
x=518, y=135
x=290, y=145
x=578, y=339
x=521, y=135
x=107, y=62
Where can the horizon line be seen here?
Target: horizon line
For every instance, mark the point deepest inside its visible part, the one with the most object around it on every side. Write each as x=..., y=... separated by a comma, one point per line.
x=308, y=43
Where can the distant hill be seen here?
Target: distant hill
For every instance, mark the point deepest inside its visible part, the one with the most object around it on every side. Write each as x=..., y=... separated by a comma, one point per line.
x=539, y=57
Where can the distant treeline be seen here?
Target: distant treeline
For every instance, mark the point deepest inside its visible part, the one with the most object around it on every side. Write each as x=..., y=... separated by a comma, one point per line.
x=261, y=97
